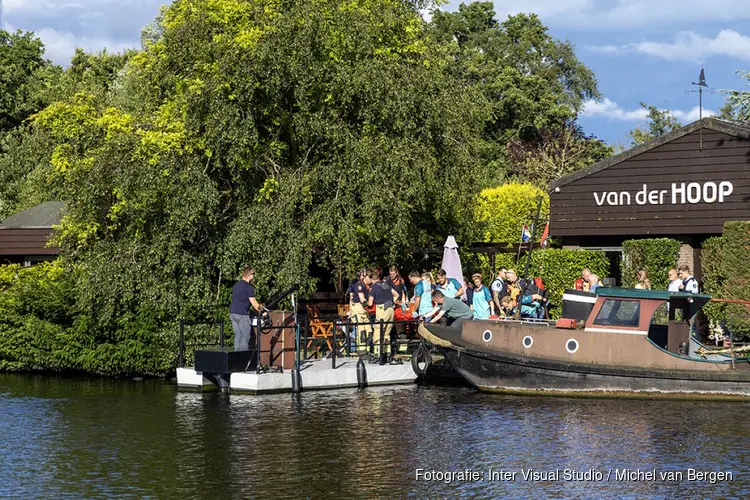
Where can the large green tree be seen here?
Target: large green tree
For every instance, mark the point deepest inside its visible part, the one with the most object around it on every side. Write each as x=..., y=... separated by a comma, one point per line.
x=534, y=83
x=254, y=133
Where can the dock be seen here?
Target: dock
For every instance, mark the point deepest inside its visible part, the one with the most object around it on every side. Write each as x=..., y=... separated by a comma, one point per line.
x=314, y=374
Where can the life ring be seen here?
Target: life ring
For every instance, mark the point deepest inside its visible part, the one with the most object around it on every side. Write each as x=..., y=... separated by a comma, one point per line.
x=421, y=355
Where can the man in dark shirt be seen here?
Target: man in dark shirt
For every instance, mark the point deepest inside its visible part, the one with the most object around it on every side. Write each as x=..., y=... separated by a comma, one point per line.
x=384, y=296
x=451, y=308
x=243, y=296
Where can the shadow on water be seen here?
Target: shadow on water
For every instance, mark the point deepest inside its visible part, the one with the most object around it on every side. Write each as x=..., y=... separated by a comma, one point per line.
x=100, y=438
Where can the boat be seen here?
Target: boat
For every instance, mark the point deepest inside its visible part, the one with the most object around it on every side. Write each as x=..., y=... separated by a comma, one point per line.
x=617, y=349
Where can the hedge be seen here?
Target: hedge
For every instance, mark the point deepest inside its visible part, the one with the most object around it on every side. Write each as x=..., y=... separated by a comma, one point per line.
x=713, y=277
x=656, y=255
x=735, y=274
x=559, y=268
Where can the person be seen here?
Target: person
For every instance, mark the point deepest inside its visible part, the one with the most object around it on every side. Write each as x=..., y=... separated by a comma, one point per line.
x=514, y=287
x=499, y=288
x=450, y=307
x=243, y=296
x=423, y=290
x=396, y=281
x=674, y=281
x=593, y=283
x=357, y=308
x=383, y=296
x=689, y=283
x=506, y=307
x=643, y=282
x=479, y=299
x=582, y=283
x=449, y=286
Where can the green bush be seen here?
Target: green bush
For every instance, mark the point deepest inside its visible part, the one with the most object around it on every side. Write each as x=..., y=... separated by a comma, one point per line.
x=735, y=274
x=501, y=211
x=712, y=277
x=656, y=255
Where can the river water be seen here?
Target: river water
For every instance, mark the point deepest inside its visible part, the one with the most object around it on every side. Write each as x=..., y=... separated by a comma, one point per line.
x=66, y=438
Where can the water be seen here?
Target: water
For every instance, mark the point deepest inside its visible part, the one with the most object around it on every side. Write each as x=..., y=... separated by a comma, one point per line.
x=62, y=438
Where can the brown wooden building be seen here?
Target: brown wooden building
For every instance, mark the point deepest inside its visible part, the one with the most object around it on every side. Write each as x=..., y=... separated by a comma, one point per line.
x=683, y=185
x=24, y=236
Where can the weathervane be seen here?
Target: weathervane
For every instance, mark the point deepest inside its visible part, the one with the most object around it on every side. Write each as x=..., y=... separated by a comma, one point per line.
x=701, y=83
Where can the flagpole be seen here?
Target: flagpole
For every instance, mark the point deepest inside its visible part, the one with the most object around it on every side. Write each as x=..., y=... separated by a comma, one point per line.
x=520, y=243
x=533, y=237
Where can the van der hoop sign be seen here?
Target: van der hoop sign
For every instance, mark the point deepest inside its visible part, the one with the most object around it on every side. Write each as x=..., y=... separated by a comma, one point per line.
x=680, y=193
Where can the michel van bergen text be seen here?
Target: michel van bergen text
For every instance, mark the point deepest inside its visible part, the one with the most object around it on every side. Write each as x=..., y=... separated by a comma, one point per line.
x=471, y=475
x=680, y=193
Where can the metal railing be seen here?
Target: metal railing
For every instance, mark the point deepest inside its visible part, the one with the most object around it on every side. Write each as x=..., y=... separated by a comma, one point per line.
x=183, y=346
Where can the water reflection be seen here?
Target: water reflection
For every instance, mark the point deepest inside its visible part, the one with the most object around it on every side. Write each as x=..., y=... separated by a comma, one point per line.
x=95, y=438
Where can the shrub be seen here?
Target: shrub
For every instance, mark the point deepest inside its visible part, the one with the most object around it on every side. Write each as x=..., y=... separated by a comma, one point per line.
x=713, y=277
x=501, y=211
x=656, y=255
x=735, y=274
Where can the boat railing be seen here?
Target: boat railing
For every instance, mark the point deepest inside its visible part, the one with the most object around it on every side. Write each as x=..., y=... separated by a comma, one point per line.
x=732, y=343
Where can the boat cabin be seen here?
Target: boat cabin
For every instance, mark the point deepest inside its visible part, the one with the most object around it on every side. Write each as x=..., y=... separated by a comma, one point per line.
x=634, y=312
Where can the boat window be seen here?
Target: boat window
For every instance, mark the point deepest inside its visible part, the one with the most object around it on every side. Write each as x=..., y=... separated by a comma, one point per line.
x=615, y=312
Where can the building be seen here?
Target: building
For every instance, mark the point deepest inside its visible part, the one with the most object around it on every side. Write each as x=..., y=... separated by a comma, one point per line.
x=24, y=236
x=683, y=185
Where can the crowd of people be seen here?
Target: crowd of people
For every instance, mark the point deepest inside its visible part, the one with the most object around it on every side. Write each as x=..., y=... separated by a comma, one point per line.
x=443, y=300
x=374, y=298
x=680, y=280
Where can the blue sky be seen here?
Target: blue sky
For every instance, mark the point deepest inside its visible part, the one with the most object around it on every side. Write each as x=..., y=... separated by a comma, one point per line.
x=639, y=50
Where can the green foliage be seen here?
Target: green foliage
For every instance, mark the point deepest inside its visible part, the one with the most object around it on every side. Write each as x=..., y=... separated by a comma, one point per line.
x=737, y=104
x=656, y=255
x=735, y=273
x=712, y=277
x=534, y=83
x=501, y=212
x=660, y=122
x=555, y=153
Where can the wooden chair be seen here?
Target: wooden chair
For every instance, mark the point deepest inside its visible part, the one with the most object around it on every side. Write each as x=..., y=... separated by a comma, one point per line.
x=319, y=329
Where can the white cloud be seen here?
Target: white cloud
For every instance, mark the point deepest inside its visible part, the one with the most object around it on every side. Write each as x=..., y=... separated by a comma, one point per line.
x=91, y=25
x=606, y=15
x=688, y=46
x=612, y=111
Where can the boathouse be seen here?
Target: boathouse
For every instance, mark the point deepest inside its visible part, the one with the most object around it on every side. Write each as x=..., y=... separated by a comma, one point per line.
x=24, y=236
x=683, y=185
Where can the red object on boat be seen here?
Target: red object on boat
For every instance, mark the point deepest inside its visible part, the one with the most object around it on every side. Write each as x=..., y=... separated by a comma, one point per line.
x=569, y=324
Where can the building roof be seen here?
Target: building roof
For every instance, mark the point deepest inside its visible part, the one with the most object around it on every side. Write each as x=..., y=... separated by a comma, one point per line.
x=736, y=129
x=44, y=215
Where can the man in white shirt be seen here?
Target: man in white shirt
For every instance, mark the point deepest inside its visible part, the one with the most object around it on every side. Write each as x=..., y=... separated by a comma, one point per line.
x=689, y=283
x=674, y=281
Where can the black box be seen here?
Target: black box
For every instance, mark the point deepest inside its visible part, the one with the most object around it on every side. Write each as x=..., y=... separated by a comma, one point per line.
x=227, y=361
x=577, y=304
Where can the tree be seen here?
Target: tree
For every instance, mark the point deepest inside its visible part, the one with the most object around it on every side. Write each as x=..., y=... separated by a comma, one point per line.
x=737, y=105
x=660, y=122
x=559, y=151
x=533, y=82
x=24, y=73
x=253, y=132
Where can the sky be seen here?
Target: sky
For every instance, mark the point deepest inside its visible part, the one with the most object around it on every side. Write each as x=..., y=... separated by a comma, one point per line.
x=639, y=50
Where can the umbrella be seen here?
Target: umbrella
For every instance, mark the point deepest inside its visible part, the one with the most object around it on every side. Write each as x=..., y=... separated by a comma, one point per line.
x=452, y=262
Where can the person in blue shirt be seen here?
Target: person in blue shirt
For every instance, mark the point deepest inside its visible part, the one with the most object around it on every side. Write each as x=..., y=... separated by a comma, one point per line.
x=480, y=299
x=243, y=296
x=423, y=290
x=449, y=286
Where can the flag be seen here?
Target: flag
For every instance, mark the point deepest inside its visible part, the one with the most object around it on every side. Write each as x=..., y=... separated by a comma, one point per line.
x=525, y=234
x=545, y=237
